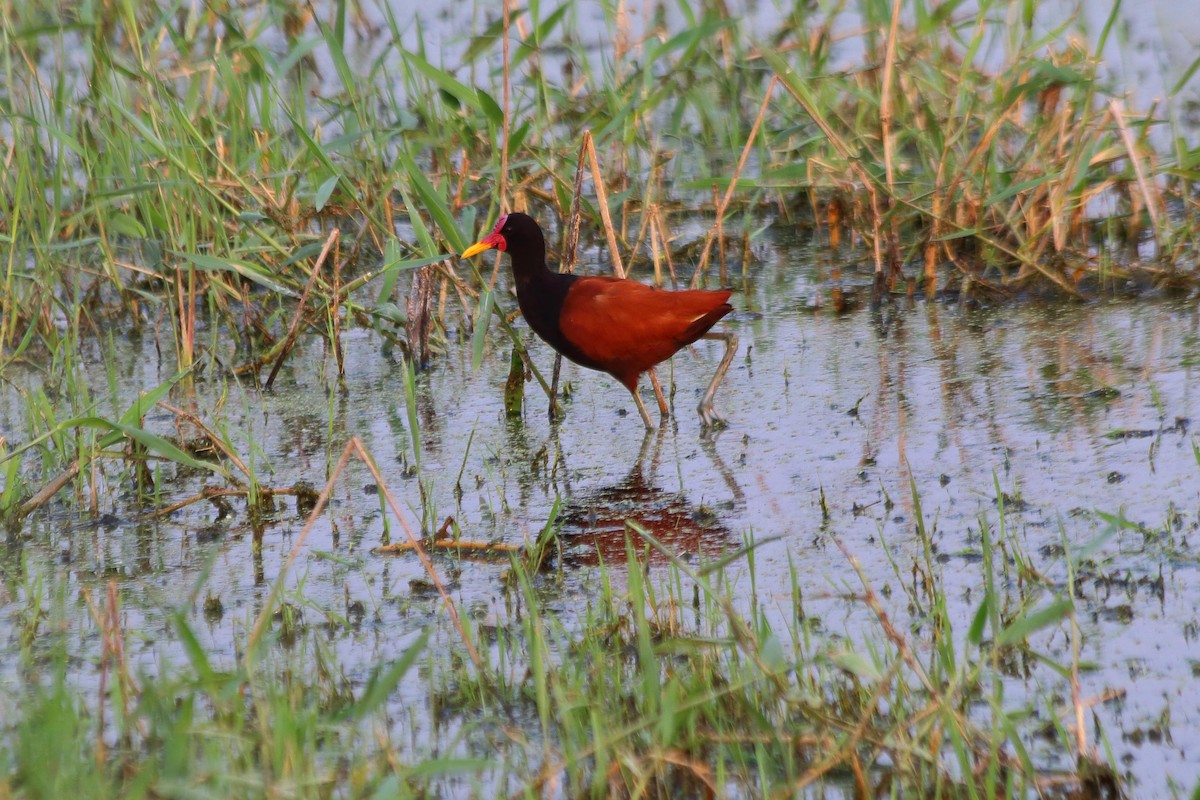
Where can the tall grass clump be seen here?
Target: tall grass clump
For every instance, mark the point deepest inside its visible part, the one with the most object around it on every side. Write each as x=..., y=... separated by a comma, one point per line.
x=974, y=151
x=188, y=164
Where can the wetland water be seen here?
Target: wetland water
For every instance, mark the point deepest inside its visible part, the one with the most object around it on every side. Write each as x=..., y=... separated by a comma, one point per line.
x=1074, y=410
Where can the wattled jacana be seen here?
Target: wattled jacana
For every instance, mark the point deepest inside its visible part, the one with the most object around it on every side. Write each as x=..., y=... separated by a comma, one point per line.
x=614, y=325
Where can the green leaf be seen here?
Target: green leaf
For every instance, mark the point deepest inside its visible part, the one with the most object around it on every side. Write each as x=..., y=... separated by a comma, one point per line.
x=770, y=650
x=323, y=193
x=534, y=43
x=391, y=269
x=1185, y=77
x=315, y=149
x=251, y=272
x=857, y=665
x=1026, y=624
x=975, y=633
x=482, y=317
x=303, y=253
x=390, y=312
x=125, y=225
x=689, y=37
x=445, y=81
x=132, y=417
x=147, y=400
x=1021, y=186
x=381, y=684
x=963, y=234
x=1091, y=547
x=447, y=766
x=153, y=443
x=434, y=204
x=303, y=47
x=490, y=107
x=191, y=646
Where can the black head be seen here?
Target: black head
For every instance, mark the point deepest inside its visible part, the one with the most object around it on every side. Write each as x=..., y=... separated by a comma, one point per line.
x=517, y=234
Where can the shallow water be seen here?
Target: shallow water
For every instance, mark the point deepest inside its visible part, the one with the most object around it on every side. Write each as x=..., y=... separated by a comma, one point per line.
x=1072, y=410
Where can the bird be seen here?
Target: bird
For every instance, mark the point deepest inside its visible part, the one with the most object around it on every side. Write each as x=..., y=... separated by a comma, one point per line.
x=613, y=325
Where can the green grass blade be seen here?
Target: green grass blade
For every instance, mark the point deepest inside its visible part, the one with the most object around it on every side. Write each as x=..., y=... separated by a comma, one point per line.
x=1026, y=624
x=482, y=317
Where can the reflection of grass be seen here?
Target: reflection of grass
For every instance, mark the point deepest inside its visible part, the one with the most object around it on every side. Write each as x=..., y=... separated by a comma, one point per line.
x=664, y=682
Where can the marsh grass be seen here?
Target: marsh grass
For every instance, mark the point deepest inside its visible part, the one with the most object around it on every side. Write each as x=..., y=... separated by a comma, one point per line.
x=664, y=682
x=187, y=170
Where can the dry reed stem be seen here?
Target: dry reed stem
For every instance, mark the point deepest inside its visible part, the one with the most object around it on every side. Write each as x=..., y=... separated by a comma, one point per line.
x=420, y=315
x=871, y=599
x=655, y=257
x=720, y=225
x=571, y=243
x=354, y=447
x=885, y=125
x=484, y=548
x=546, y=774
x=852, y=160
x=99, y=749
x=854, y=737
x=602, y=199
x=187, y=316
x=569, y=254
x=932, y=244
x=665, y=241
x=870, y=185
x=294, y=331
x=1081, y=747
x=117, y=646
x=1148, y=197
x=861, y=786
x=724, y=204
x=217, y=441
x=652, y=181
x=885, y=97
x=505, y=206
x=699, y=769
x=112, y=651
x=898, y=640
x=211, y=492
x=745, y=638
x=49, y=490
x=339, y=355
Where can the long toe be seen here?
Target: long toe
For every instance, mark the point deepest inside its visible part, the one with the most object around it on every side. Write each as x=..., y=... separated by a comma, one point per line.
x=709, y=417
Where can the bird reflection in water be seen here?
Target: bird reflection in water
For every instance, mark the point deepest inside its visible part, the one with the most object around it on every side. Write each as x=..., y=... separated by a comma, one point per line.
x=594, y=524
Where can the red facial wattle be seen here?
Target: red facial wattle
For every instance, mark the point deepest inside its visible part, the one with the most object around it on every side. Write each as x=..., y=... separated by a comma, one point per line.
x=495, y=239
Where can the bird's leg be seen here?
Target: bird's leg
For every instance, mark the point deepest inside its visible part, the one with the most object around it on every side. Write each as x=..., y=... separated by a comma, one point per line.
x=705, y=408
x=658, y=393
x=637, y=398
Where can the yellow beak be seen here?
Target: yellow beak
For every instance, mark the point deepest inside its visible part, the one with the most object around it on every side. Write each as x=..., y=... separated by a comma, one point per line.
x=478, y=248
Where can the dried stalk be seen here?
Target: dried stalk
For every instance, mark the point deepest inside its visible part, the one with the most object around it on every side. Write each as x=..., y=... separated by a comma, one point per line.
x=294, y=331
x=724, y=204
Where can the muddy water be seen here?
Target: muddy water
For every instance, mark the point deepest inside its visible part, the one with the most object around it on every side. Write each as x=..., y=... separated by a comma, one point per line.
x=1072, y=410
